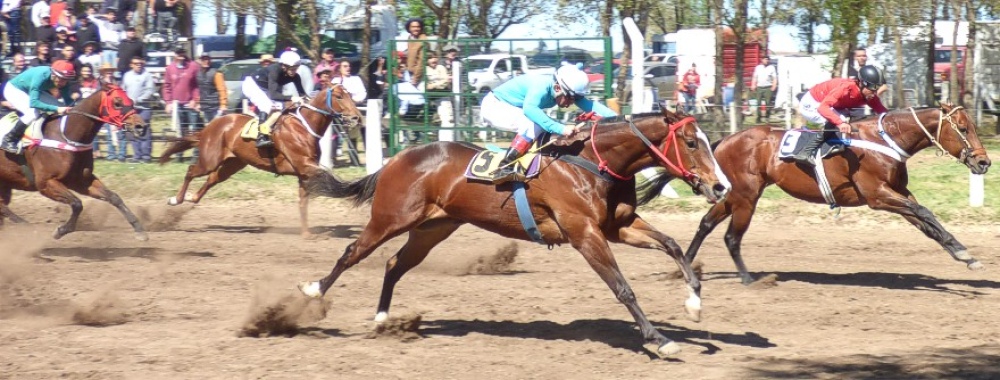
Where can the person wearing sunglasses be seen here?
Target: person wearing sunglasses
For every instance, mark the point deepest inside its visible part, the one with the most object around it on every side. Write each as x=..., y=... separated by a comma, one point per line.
x=830, y=102
x=518, y=106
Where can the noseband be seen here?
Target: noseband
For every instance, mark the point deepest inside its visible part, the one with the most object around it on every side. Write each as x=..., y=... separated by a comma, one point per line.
x=967, y=149
x=602, y=164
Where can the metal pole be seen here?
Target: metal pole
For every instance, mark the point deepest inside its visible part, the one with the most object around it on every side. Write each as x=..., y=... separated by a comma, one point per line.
x=732, y=117
x=456, y=89
x=175, y=119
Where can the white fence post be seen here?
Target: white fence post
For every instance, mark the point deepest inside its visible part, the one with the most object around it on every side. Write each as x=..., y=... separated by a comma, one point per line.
x=977, y=194
x=327, y=152
x=638, y=79
x=175, y=119
x=456, y=88
x=373, y=136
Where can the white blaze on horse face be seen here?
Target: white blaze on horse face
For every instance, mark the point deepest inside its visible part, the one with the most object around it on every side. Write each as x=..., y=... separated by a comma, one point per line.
x=718, y=170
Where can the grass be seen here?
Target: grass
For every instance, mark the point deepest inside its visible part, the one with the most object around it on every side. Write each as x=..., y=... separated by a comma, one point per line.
x=939, y=183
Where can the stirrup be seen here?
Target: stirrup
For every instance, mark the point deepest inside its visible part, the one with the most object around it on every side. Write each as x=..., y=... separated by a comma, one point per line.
x=264, y=141
x=507, y=175
x=12, y=149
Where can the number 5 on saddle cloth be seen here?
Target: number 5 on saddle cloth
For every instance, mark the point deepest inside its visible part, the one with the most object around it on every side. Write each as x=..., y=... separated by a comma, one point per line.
x=793, y=141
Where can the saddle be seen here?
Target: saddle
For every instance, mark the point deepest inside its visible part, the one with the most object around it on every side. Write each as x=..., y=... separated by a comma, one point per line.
x=795, y=140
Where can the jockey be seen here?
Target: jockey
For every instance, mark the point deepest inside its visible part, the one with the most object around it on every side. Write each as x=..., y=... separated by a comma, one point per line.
x=829, y=103
x=518, y=104
x=24, y=93
x=263, y=89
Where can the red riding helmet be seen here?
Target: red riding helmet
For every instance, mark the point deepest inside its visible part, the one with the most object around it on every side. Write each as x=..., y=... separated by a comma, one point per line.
x=63, y=69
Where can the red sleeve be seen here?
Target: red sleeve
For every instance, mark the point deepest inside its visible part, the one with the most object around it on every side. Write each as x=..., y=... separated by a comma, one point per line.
x=876, y=104
x=826, y=106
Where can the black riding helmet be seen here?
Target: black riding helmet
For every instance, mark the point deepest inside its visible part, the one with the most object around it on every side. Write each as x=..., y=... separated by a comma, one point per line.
x=870, y=77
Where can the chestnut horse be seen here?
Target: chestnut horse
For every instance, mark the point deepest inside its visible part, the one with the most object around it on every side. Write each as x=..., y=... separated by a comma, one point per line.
x=857, y=176
x=62, y=159
x=423, y=191
x=296, y=146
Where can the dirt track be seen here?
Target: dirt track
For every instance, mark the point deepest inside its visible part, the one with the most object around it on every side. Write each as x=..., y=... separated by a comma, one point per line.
x=859, y=297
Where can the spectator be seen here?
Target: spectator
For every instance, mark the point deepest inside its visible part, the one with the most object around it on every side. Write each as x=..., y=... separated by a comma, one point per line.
x=323, y=82
x=68, y=53
x=11, y=13
x=56, y=8
x=438, y=78
x=166, y=21
x=266, y=60
x=86, y=84
x=62, y=38
x=86, y=32
x=39, y=9
x=689, y=88
x=211, y=90
x=764, y=83
x=18, y=66
x=415, y=50
x=450, y=55
x=66, y=19
x=861, y=59
x=45, y=32
x=328, y=62
x=180, y=85
x=377, y=78
x=42, y=56
x=111, y=33
x=89, y=55
x=352, y=83
x=124, y=10
x=128, y=48
x=138, y=84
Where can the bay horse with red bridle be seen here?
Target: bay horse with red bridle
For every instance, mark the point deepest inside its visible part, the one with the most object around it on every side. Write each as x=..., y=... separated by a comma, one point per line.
x=223, y=152
x=61, y=161
x=858, y=176
x=423, y=192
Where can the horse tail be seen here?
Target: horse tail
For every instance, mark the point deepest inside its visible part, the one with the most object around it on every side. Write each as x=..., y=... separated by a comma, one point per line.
x=178, y=145
x=328, y=185
x=651, y=188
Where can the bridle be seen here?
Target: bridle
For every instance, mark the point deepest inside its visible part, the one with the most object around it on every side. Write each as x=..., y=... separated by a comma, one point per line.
x=967, y=149
x=107, y=114
x=688, y=176
x=338, y=118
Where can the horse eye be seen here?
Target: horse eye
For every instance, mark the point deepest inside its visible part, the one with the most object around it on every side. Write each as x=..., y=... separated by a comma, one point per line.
x=692, y=144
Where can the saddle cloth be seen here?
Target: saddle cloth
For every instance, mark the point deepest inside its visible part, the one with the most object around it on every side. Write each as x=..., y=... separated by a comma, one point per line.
x=794, y=140
x=485, y=163
x=34, y=131
x=251, y=129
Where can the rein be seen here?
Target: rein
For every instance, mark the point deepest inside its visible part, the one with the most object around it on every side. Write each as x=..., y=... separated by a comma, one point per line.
x=602, y=164
x=329, y=105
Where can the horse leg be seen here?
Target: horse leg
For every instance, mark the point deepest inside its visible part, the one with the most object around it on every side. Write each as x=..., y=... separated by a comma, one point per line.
x=422, y=239
x=924, y=220
x=380, y=228
x=58, y=192
x=718, y=213
x=221, y=173
x=642, y=235
x=5, y=196
x=594, y=247
x=742, y=214
x=304, y=209
x=198, y=169
x=96, y=189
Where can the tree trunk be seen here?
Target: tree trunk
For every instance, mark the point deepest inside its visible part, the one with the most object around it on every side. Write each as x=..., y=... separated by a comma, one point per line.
x=366, y=40
x=929, y=70
x=185, y=19
x=141, y=8
x=970, y=55
x=221, y=21
x=286, y=27
x=897, y=40
x=720, y=79
x=241, y=48
x=953, y=90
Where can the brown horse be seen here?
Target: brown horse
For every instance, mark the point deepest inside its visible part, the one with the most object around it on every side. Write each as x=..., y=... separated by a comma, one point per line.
x=857, y=176
x=423, y=191
x=62, y=160
x=296, y=146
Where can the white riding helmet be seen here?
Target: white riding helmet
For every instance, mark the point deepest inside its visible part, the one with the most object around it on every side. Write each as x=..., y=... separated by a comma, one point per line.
x=573, y=81
x=289, y=58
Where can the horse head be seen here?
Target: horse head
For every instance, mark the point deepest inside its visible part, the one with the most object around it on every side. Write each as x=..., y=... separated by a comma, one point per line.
x=337, y=101
x=687, y=154
x=964, y=143
x=117, y=109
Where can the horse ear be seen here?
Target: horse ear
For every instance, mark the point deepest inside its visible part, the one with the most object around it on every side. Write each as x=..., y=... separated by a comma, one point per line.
x=665, y=110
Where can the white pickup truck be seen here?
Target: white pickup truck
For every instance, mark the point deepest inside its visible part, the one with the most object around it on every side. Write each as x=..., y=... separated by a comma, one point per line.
x=487, y=71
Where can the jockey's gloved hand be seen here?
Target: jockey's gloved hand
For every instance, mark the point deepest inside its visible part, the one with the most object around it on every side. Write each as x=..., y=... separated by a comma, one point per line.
x=588, y=116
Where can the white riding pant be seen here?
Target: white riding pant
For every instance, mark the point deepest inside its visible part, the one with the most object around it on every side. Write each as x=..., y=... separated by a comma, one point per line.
x=809, y=109
x=21, y=102
x=258, y=96
x=507, y=117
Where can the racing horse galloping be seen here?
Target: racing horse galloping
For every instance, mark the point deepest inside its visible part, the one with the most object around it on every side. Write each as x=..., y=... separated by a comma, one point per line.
x=223, y=152
x=60, y=161
x=422, y=191
x=858, y=176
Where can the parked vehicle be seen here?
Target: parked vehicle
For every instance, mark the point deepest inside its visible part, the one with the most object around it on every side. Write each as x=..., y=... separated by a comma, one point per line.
x=487, y=71
x=662, y=76
x=942, y=68
x=555, y=58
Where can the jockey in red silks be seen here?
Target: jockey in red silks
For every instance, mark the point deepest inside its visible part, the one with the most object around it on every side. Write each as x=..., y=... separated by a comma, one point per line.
x=829, y=102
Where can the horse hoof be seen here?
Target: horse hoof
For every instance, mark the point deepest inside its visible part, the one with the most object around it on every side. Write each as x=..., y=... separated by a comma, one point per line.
x=141, y=236
x=666, y=350
x=58, y=234
x=310, y=289
x=694, y=314
x=977, y=266
x=381, y=317
x=963, y=256
x=172, y=201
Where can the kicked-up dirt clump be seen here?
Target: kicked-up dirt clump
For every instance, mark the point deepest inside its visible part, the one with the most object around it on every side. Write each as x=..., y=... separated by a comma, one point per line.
x=499, y=262
x=402, y=328
x=282, y=315
x=104, y=310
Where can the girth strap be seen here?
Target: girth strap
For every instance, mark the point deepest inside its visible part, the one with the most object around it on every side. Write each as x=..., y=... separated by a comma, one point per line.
x=524, y=213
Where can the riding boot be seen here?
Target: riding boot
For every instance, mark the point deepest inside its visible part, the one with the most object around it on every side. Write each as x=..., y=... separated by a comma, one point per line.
x=10, y=141
x=806, y=156
x=508, y=166
x=264, y=134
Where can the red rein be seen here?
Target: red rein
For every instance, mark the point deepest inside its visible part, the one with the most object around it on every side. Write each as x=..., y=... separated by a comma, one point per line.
x=602, y=164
